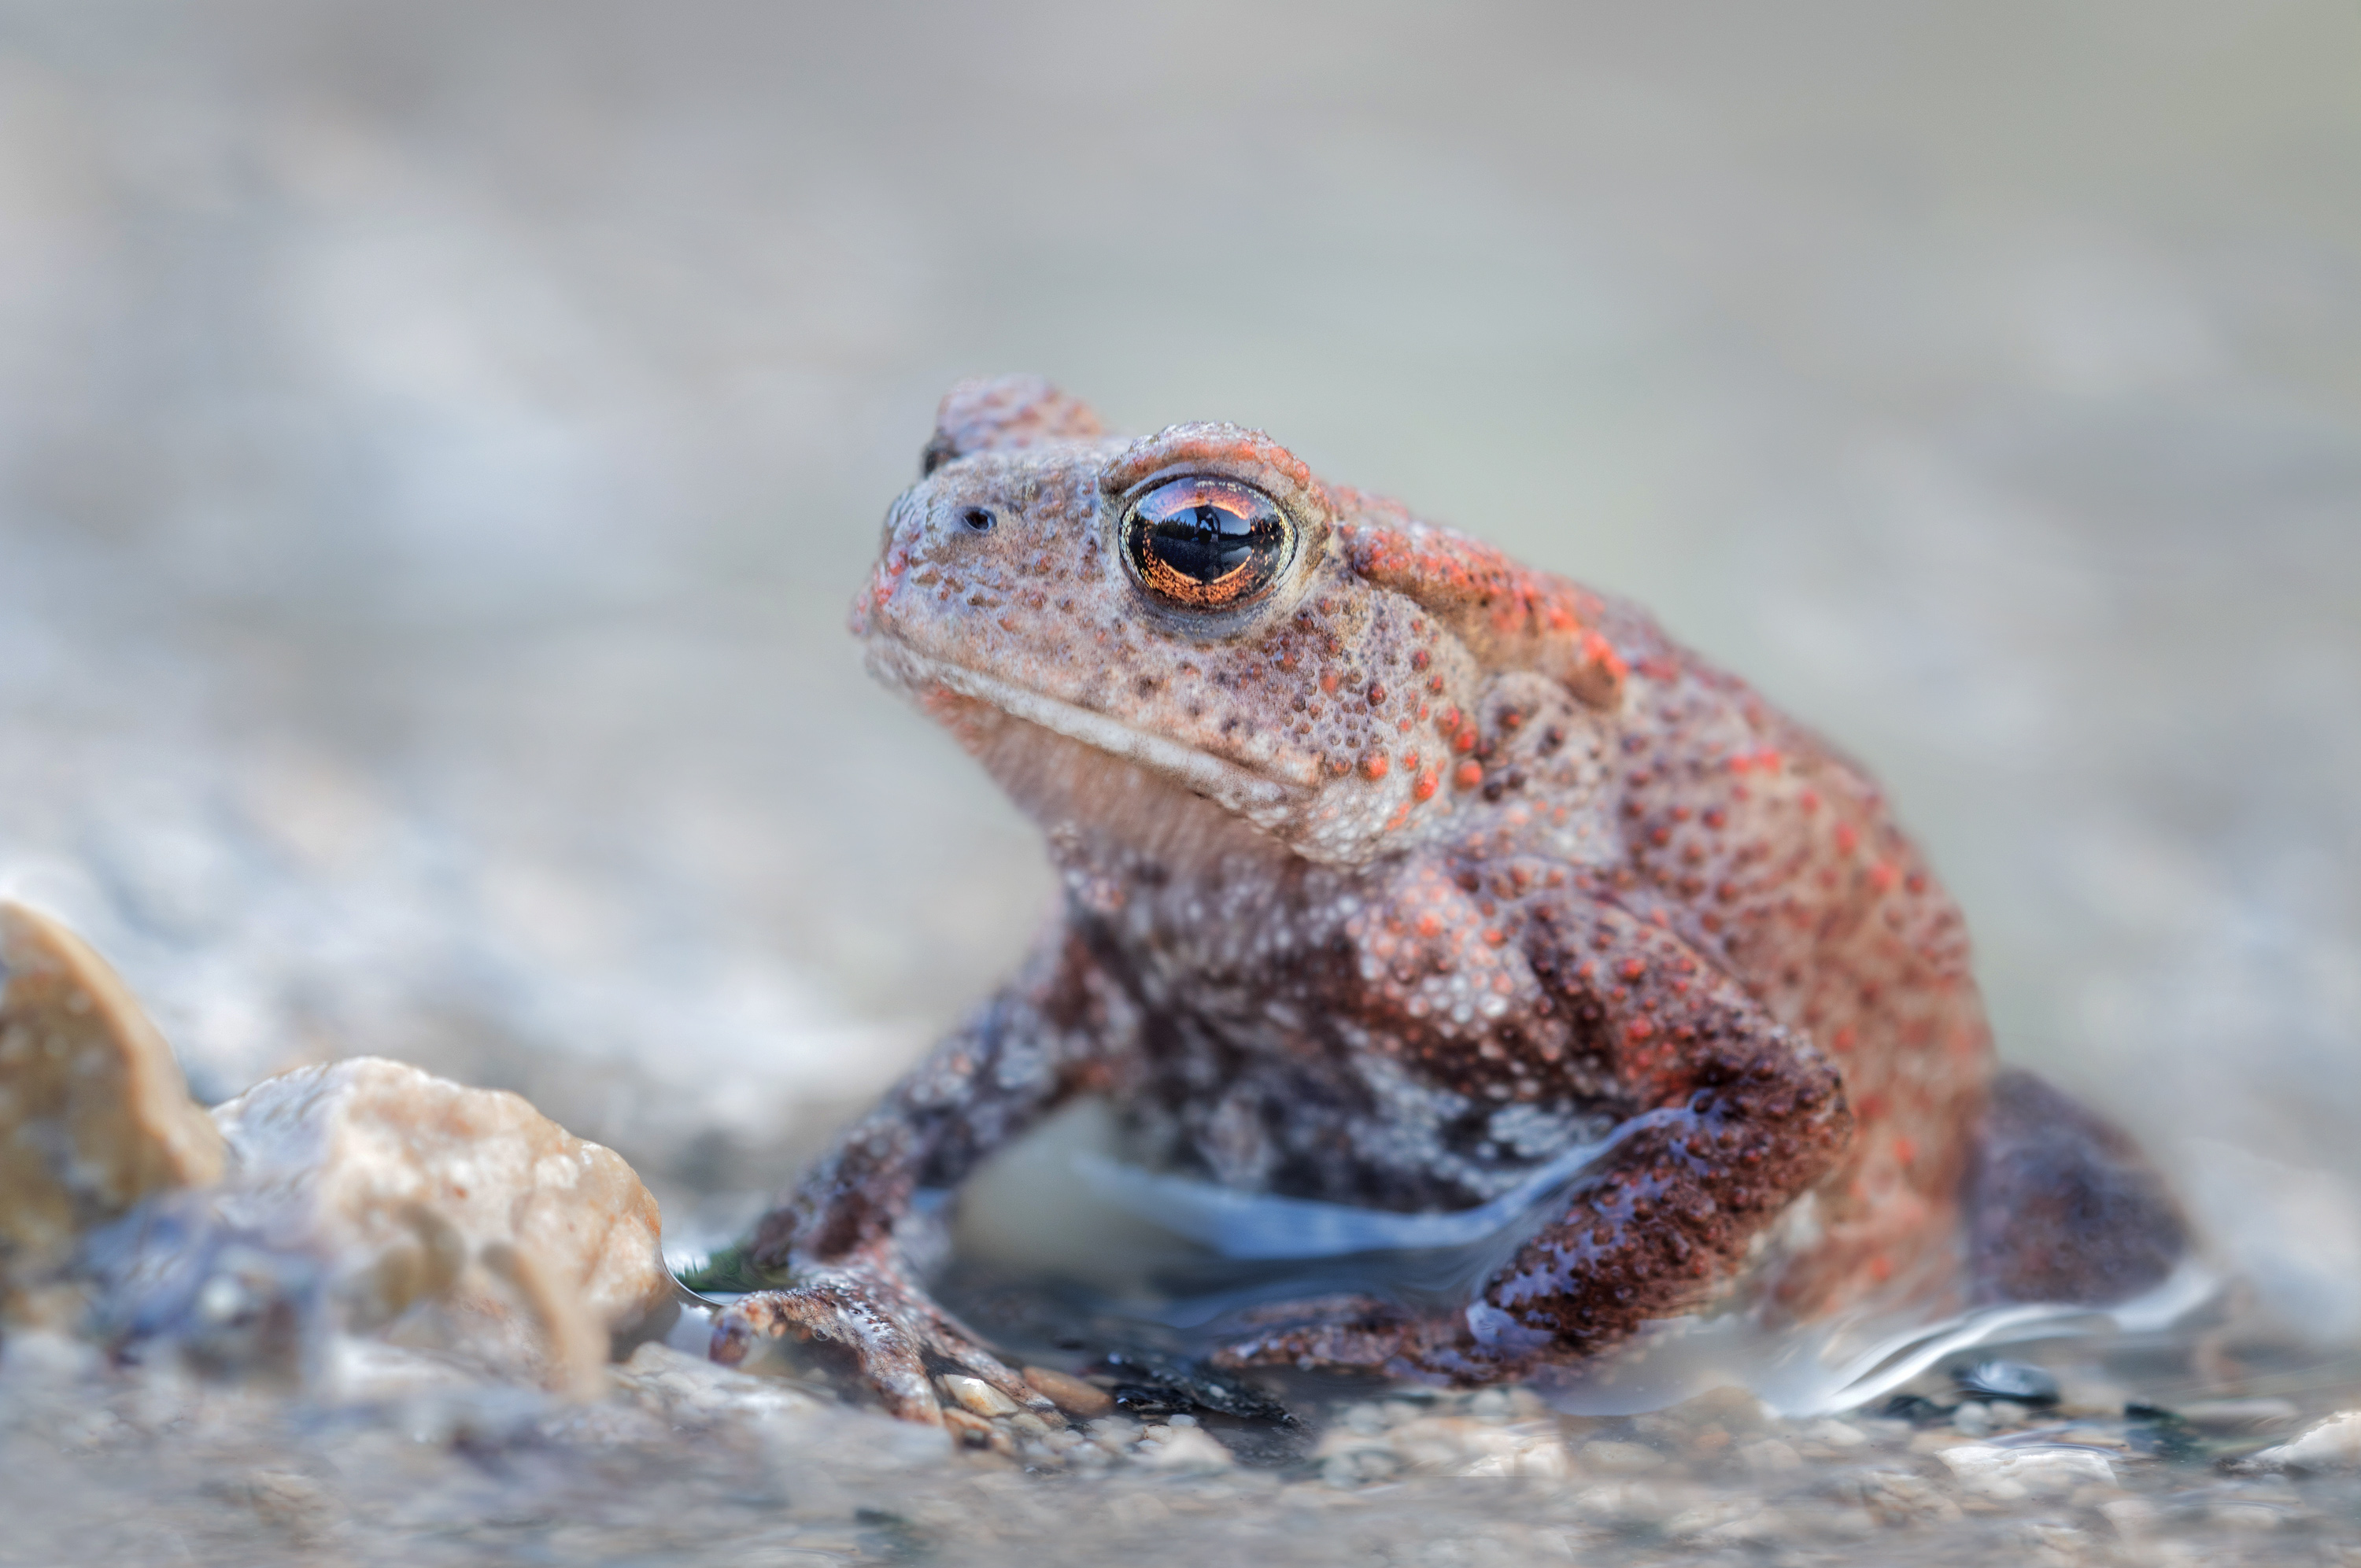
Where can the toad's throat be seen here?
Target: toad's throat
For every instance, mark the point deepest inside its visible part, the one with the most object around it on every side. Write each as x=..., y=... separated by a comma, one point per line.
x=1260, y=798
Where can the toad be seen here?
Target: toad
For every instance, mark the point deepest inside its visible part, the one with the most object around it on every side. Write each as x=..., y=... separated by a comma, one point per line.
x=1393, y=871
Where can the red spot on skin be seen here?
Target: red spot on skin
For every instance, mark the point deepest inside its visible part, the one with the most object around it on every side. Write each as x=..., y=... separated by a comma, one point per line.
x=1905, y=1151
x=1410, y=761
x=1373, y=766
x=1469, y=775
x=1328, y=682
x=1435, y=685
x=1847, y=839
x=1881, y=1269
x=1495, y=936
x=1881, y=877
x=1842, y=1039
x=1430, y=925
x=1450, y=720
x=1418, y=659
x=1632, y=969
x=1377, y=694
x=1464, y=742
x=1640, y=1029
x=1511, y=718
x=1496, y=606
x=1426, y=786
x=1809, y=800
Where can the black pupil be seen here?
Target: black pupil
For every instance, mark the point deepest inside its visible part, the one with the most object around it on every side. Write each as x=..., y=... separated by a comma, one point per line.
x=1205, y=529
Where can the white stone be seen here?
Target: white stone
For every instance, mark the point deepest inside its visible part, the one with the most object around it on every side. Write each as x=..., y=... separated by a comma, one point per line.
x=2333, y=1444
x=2010, y=1473
x=1185, y=1448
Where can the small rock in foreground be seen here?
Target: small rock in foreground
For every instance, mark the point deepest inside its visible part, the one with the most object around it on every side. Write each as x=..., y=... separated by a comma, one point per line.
x=94, y=1114
x=453, y=1215
x=2333, y=1444
x=365, y=1196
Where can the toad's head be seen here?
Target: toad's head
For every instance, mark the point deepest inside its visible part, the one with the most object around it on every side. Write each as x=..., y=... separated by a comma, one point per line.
x=1114, y=627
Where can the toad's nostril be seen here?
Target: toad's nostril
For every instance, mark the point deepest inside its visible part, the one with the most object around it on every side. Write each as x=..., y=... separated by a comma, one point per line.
x=978, y=520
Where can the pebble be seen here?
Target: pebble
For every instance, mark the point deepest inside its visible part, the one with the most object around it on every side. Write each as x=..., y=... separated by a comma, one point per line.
x=522, y=1244
x=2333, y=1444
x=1769, y=1457
x=1836, y=1433
x=1184, y=1449
x=974, y=1394
x=93, y=1110
x=2005, y=1474
x=1086, y=1401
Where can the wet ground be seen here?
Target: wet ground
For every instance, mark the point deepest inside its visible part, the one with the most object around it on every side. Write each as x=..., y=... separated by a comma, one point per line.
x=688, y=1462
x=436, y=446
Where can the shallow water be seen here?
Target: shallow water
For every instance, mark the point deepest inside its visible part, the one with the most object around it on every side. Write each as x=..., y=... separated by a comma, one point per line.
x=436, y=446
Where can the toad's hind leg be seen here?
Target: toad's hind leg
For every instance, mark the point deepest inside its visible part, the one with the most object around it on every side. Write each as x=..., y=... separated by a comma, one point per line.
x=2063, y=1206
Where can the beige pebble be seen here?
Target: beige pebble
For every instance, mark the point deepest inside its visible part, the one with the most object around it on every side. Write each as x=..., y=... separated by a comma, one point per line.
x=1069, y=1393
x=1186, y=1448
x=974, y=1394
x=94, y=1111
x=531, y=1245
x=972, y=1430
x=1899, y=1498
x=1837, y=1433
x=1770, y=1456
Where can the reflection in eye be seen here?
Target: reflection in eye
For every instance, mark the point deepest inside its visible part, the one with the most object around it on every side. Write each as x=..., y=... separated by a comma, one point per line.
x=1207, y=543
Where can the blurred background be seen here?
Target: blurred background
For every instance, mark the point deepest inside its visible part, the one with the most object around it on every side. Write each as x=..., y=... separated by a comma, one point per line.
x=438, y=442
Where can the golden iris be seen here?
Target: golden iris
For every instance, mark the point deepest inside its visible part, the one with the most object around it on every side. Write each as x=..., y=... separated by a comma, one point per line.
x=1207, y=543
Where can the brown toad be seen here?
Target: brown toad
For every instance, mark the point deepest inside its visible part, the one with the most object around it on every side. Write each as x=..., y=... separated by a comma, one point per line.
x=1395, y=871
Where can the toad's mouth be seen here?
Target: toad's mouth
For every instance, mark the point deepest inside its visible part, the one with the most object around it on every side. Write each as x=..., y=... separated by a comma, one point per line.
x=1259, y=797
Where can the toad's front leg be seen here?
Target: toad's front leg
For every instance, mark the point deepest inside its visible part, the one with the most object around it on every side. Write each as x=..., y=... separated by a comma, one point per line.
x=1739, y=1118
x=1057, y=1032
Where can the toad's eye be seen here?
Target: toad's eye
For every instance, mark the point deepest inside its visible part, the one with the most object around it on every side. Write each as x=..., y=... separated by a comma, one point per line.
x=1206, y=543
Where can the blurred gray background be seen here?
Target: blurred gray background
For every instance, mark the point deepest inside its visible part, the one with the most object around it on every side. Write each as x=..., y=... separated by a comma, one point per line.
x=438, y=442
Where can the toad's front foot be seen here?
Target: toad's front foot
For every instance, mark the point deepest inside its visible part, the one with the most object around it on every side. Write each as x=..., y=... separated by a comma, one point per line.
x=898, y=1337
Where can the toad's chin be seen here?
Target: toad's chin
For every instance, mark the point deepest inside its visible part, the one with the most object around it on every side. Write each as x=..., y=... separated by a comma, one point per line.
x=967, y=701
